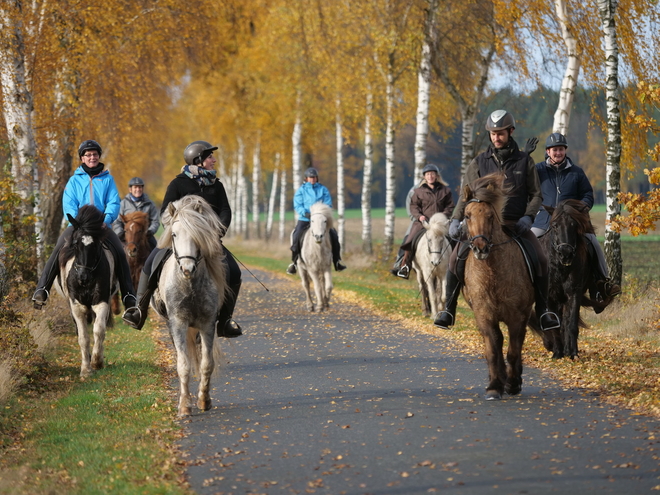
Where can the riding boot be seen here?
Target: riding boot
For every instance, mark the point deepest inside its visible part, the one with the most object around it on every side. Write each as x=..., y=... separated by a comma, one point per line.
x=547, y=319
x=50, y=272
x=447, y=317
x=336, y=251
x=404, y=271
x=602, y=290
x=225, y=326
x=136, y=316
x=122, y=270
x=397, y=262
x=291, y=269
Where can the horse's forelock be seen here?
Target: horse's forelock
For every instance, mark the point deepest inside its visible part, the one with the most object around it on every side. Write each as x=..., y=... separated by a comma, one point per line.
x=91, y=221
x=578, y=211
x=139, y=217
x=490, y=189
x=438, y=224
x=323, y=209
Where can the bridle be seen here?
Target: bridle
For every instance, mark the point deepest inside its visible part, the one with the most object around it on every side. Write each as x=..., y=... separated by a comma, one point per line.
x=489, y=244
x=78, y=267
x=310, y=223
x=178, y=258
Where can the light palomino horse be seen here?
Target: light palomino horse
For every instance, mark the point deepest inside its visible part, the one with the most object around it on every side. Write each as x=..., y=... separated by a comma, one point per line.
x=191, y=290
x=315, y=261
x=87, y=280
x=430, y=263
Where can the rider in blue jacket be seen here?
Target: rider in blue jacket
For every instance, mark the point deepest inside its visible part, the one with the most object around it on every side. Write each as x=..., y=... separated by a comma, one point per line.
x=561, y=179
x=309, y=193
x=90, y=184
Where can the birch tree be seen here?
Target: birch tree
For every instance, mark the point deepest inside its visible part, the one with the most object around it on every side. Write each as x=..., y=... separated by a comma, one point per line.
x=367, y=246
x=608, y=12
x=256, y=182
x=341, y=207
x=283, y=190
x=569, y=82
x=272, y=198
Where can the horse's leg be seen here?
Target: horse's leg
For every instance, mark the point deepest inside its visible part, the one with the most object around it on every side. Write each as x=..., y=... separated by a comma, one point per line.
x=304, y=278
x=570, y=326
x=423, y=290
x=493, y=340
x=116, y=308
x=328, y=286
x=79, y=315
x=319, y=289
x=101, y=317
x=433, y=293
x=517, y=330
x=206, y=368
x=178, y=332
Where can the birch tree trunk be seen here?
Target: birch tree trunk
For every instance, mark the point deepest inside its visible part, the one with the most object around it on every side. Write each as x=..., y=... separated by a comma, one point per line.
x=271, y=199
x=569, y=82
x=242, y=189
x=282, y=204
x=390, y=183
x=296, y=141
x=367, y=246
x=608, y=10
x=17, y=103
x=256, y=182
x=423, y=94
x=340, y=177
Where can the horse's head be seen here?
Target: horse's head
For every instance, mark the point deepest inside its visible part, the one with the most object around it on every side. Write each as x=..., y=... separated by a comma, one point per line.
x=136, y=225
x=569, y=222
x=437, y=244
x=484, y=202
x=320, y=221
x=86, y=246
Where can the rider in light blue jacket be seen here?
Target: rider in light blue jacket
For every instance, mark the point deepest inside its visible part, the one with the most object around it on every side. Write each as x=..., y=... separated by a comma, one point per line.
x=309, y=193
x=90, y=184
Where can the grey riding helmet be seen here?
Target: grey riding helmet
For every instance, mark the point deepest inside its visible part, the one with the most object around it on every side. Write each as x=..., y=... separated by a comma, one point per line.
x=431, y=168
x=198, y=151
x=311, y=172
x=135, y=181
x=500, y=120
x=556, y=139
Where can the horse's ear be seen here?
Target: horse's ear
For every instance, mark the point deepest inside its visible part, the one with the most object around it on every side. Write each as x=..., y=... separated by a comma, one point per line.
x=73, y=221
x=468, y=193
x=171, y=209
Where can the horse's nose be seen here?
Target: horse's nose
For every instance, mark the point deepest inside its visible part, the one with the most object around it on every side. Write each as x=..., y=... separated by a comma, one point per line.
x=188, y=272
x=319, y=238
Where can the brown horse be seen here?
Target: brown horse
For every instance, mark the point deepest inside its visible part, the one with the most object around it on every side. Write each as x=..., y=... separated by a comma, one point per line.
x=498, y=286
x=136, y=247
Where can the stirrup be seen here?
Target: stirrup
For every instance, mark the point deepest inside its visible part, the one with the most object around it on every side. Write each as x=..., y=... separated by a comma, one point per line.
x=229, y=330
x=441, y=317
x=553, y=324
x=404, y=272
x=38, y=303
x=339, y=266
x=291, y=269
x=128, y=315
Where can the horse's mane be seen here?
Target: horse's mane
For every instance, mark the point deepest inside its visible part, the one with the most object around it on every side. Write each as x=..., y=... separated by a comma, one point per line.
x=325, y=210
x=139, y=217
x=91, y=222
x=438, y=224
x=489, y=189
x=202, y=224
x=578, y=211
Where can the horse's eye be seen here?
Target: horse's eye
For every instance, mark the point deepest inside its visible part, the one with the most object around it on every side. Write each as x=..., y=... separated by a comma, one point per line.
x=173, y=234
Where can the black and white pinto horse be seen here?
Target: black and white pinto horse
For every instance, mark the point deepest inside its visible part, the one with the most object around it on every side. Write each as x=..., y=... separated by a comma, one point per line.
x=191, y=290
x=315, y=261
x=87, y=280
x=430, y=263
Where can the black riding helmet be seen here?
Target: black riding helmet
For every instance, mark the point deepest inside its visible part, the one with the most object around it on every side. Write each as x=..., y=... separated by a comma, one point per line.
x=87, y=145
x=198, y=151
x=312, y=172
x=556, y=139
x=135, y=181
x=431, y=168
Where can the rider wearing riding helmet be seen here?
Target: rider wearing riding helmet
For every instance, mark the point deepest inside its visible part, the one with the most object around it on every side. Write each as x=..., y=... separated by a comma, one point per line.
x=309, y=193
x=197, y=177
x=138, y=200
x=89, y=184
x=502, y=156
x=562, y=179
x=431, y=197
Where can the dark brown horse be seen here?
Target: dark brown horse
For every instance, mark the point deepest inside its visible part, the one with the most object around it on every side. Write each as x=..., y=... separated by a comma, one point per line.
x=569, y=274
x=498, y=286
x=136, y=247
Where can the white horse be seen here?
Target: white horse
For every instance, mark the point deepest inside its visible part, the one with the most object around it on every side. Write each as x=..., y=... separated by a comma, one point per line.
x=315, y=261
x=430, y=263
x=191, y=290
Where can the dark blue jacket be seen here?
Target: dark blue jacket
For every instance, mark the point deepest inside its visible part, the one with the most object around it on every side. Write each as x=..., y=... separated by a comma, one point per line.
x=568, y=181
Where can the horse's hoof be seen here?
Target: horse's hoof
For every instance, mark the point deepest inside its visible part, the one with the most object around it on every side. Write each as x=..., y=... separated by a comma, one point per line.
x=85, y=373
x=184, y=411
x=513, y=390
x=204, y=405
x=493, y=395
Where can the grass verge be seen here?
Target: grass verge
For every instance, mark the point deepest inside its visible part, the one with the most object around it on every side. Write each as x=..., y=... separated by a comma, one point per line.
x=112, y=433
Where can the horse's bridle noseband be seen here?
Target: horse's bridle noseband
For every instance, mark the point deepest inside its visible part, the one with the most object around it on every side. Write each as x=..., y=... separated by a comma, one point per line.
x=178, y=258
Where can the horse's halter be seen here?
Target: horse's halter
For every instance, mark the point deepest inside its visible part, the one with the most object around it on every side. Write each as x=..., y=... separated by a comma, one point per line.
x=178, y=258
x=565, y=250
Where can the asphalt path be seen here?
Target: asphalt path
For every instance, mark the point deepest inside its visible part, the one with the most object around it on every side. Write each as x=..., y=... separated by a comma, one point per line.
x=345, y=402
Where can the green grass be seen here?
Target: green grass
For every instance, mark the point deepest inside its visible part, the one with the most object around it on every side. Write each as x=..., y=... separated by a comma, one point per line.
x=109, y=434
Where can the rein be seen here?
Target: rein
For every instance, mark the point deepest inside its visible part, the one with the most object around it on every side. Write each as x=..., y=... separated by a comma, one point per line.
x=77, y=266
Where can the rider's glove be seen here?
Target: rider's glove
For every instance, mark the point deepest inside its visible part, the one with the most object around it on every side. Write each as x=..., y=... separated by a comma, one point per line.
x=455, y=229
x=530, y=145
x=524, y=224
x=308, y=215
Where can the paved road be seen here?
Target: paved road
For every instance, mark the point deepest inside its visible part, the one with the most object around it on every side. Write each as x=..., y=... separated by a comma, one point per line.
x=345, y=403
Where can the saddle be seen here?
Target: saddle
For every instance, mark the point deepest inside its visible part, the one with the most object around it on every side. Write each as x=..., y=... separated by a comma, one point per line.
x=157, y=266
x=529, y=253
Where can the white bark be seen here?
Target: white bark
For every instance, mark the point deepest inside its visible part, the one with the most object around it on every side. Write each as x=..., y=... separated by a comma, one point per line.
x=241, y=183
x=271, y=199
x=17, y=102
x=608, y=10
x=256, y=182
x=390, y=177
x=423, y=96
x=296, y=141
x=283, y=205
x=340, y=177
x=569, y=82
x=367, y=246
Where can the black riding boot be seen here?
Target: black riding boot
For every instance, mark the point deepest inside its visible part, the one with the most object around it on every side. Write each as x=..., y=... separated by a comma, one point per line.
x=602, y=290
x=447, y=317
x=336, y=251
x=225, y=326
x=547, y=319
x=137, y=315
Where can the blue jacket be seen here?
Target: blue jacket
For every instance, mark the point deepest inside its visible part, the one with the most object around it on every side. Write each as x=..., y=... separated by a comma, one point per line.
x=100, y=191
x=307, y=195
x=568, y=181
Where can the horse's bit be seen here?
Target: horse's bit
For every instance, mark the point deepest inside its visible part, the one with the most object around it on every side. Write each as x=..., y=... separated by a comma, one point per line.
x=197, y=259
